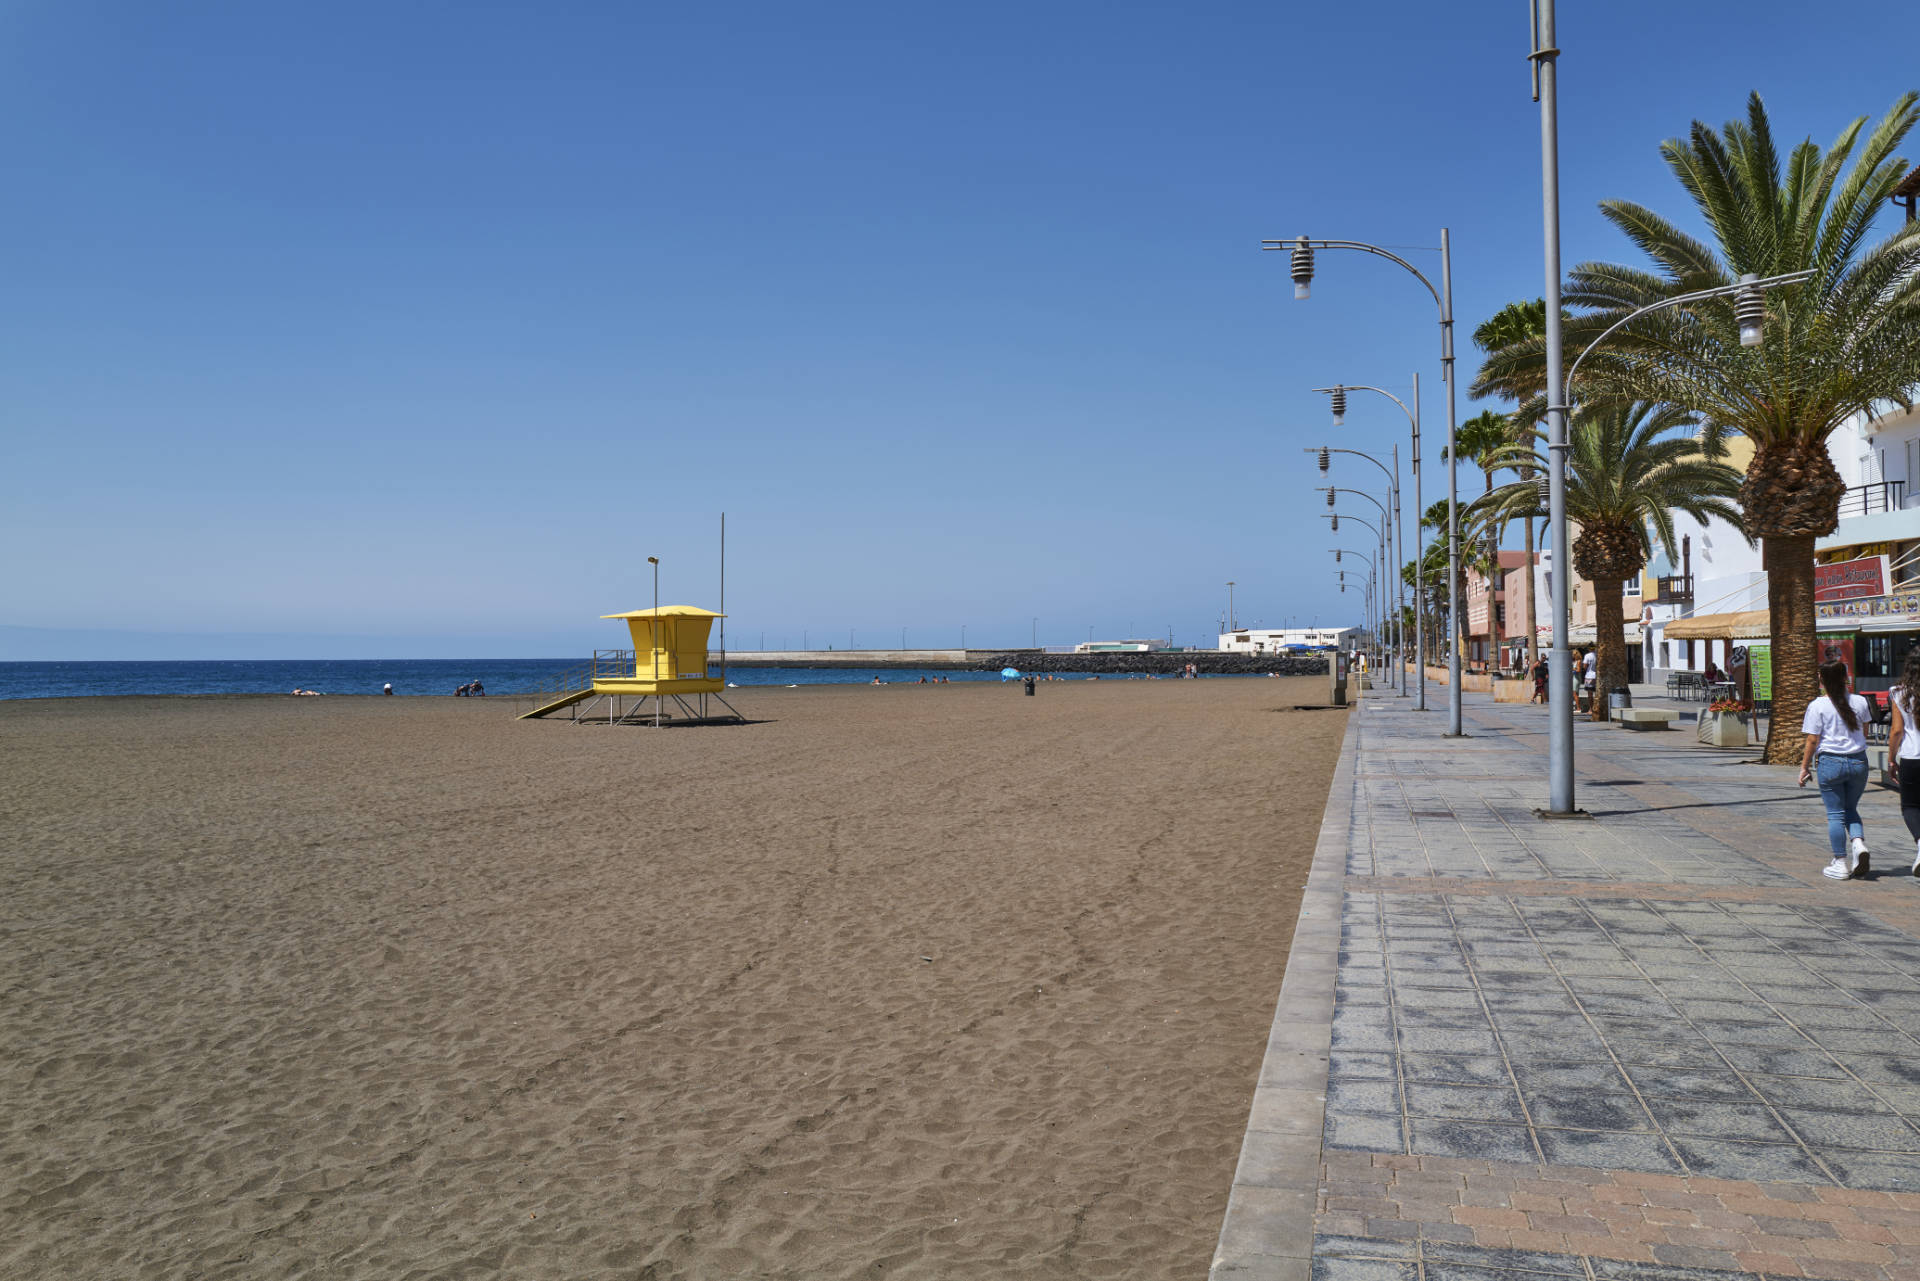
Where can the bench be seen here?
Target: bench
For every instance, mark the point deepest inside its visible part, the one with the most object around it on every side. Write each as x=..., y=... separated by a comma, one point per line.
x=1645, y=718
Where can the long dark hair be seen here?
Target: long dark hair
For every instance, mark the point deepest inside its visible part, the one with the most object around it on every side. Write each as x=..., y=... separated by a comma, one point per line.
x=1910, y=682
x=1833, y=679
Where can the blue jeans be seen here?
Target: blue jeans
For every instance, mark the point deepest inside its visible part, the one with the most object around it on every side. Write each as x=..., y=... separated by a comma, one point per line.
x=1842, y=781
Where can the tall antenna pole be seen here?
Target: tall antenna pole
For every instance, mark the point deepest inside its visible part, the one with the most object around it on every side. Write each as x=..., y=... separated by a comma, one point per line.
x=723, y=598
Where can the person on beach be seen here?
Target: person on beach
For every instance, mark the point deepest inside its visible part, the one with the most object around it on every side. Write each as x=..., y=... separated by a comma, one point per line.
x=1836, y=730
x=1903, y=748
x=387, y=689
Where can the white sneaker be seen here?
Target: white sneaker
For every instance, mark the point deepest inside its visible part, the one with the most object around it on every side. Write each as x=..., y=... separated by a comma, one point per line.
x=1862, y=856
x=1916, y=858
x=1837, y=870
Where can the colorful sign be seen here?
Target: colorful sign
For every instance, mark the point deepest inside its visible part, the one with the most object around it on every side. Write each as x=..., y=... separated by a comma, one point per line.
x=1760, y=663
x=1898, y=607
x=1850, y=579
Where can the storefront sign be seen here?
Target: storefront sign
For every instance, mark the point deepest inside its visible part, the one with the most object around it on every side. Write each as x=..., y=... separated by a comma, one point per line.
x=1899, y=607
x=1760, y=662
x=1850, y=579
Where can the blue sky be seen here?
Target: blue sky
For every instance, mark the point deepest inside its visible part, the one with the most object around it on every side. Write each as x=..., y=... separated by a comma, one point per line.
x=416, y=328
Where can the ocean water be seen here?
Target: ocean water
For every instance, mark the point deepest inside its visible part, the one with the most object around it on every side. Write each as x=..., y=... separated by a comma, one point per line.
x=410, y=676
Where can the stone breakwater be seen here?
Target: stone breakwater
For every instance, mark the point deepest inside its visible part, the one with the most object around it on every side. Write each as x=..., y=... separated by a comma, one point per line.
x=1159, y=663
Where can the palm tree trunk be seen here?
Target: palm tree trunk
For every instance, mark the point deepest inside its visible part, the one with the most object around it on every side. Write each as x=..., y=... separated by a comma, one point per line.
x=1790, y=617
x=1610, y=643
x=1533, y=605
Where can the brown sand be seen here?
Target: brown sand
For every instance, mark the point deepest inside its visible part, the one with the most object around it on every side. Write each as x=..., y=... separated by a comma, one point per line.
x=916, y=981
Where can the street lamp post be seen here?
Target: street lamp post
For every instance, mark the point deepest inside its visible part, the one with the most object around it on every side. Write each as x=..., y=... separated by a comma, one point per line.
x=1331, y=490
x=1380, y=536
x=1371, y=595
x=1366, y=596
x=1389, y=534
x=1301, y=253
x=1339, y=395
x=653, y=634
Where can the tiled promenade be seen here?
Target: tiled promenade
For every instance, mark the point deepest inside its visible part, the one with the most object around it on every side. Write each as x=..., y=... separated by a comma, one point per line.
x=1653, y=1046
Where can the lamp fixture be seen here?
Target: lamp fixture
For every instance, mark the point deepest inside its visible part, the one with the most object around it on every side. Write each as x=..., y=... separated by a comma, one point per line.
x=1302, y=269
x=1750, y=311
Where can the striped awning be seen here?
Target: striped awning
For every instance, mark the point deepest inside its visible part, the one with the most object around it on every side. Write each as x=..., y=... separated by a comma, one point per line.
x=1745, y=624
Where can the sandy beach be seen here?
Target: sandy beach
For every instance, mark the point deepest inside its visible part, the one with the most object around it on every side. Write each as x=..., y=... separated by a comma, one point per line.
x=921, y=981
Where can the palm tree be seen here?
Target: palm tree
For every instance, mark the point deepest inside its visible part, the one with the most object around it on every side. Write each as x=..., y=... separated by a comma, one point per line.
x=1630, y=467
x=1514, y=324
x=1482, y=440
x=1836, y=345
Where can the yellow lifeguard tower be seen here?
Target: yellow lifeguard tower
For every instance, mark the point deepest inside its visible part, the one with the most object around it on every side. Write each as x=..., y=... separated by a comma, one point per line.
x=668, y=662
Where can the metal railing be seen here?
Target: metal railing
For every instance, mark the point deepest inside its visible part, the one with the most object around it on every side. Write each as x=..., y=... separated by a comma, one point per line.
x=1866, y=500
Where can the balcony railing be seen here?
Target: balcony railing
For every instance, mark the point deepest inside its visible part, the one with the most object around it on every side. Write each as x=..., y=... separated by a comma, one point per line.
x=1881, y=496
x=1675, y=589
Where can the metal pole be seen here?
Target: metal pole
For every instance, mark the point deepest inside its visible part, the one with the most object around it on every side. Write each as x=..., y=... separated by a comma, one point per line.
x=723, y=600
x=1399, y=584
x=1559, y=658
x=1232, y=625
x=1453, y=492
x=653, y=636
x=1419, y=553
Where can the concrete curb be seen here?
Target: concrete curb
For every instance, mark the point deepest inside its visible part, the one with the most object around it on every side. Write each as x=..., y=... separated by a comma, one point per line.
x=1268, y=1231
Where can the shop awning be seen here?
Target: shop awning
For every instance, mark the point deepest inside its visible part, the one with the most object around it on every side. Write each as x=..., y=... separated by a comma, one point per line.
x=1746, y=624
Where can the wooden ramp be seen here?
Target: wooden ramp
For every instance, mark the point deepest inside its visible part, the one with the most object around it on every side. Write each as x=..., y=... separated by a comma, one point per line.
x=558, y=704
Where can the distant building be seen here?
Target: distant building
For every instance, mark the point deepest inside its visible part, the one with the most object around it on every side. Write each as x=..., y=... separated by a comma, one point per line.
x=1287, y=639
x=1120, y=647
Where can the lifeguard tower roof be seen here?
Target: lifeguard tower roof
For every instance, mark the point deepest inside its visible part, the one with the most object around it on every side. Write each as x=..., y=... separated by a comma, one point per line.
x=668, y=611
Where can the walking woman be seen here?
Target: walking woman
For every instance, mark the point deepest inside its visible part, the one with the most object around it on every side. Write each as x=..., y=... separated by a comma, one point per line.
x=1903, y=747
x=1836, y=730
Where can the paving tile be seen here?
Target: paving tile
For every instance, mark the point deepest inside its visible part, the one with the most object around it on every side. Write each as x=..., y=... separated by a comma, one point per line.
x=1336, y=1268
x=1455, y=1069
x=1471, y=1139
x=1689, y=1083
x=1360, y=1065
x=1346, y=1095
x=1788, y=1062
x=1473, y=1256
x=1657, y=1053
x=1884, y=1131
x=1448, y=1041
x=1587, y=1110
x=1891, y=1069
x=1879, y=1170
x=1557, y=1074
x=1604, y=1150
x=1363, y=1247
x=1760, y=1162
x=1358, y=1131
x=1800, y=1091
x=1466, y=1103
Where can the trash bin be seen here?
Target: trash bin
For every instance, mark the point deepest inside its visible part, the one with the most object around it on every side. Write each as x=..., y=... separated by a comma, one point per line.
x=1028, y=681
x=1619, y=698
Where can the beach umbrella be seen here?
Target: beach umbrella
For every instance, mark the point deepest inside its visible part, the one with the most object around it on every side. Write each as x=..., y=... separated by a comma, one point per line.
x=1009, y=673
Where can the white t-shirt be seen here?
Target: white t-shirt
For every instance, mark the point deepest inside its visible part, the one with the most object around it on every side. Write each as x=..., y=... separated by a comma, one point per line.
x=1910, y=738
x=1823, y=719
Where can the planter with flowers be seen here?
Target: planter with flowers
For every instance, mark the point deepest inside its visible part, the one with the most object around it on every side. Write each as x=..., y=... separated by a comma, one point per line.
x=1724, y=723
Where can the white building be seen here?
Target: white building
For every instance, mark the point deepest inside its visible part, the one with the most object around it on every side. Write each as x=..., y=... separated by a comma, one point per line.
x=1119, y=646
x=1281, y=640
